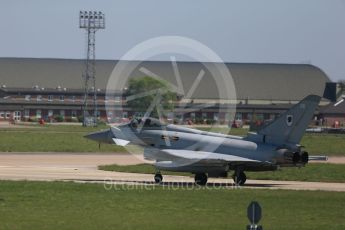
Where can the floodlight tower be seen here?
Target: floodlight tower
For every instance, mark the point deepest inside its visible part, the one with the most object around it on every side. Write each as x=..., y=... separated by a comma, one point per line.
x=91, y=21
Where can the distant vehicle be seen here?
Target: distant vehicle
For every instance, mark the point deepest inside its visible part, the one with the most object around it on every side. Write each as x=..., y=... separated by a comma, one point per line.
x=326, y=130
x=207, y=154
x=314, y=130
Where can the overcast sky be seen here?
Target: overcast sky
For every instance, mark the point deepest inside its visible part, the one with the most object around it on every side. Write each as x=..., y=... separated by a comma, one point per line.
x=274, y=31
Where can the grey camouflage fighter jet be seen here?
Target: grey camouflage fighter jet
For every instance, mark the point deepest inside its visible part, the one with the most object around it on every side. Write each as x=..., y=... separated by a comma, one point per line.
x=208, y=154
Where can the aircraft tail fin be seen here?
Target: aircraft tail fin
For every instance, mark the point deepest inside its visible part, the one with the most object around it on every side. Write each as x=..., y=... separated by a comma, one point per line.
x=290, y=126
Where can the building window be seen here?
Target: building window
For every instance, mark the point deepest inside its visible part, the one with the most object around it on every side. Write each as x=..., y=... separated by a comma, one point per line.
x=229, y=117
x=105, y=99
x=50, y=113
x=250, y=117
x=62, y=113
x=267, y=116
x=8, y=115
x=192, y=116
x=259, y=116
x=39, y=97
x=50, y=97
x=215, y=116
x=238, y=116
x=17, y=115
x=26, y=113
x=74, y=113
x=2, y=114
x=125, y=114
x=170, y=116
x=38, y=114
x=204, y=115
x=62, y=98
x=73, y=98
x=27, y=97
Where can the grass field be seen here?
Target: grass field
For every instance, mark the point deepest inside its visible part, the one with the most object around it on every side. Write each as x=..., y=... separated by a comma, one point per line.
x=52, y=138
x=68, y=138
x=327, y=144
x=58, y=205
x=312, y=172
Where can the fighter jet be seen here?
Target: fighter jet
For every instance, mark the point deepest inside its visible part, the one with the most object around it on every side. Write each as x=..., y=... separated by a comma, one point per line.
x=208, y=154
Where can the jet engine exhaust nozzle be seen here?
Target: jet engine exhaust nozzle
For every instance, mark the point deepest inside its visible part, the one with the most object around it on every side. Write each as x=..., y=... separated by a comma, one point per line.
x=296, y=157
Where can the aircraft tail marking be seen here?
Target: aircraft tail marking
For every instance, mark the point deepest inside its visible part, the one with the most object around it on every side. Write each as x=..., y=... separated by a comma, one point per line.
x=290, y=126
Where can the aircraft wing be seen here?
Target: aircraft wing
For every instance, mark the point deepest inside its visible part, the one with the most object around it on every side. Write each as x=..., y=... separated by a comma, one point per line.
x=190, y=155
x=181, y=158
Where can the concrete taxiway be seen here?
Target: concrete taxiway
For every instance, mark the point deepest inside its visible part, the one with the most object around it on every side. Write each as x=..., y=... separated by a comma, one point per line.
x=82, y=167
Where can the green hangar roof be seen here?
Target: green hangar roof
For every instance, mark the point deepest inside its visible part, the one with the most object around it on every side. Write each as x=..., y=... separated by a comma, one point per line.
x=253, y=81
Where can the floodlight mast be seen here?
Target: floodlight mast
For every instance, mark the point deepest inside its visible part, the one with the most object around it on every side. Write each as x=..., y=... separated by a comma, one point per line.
x=91, y=21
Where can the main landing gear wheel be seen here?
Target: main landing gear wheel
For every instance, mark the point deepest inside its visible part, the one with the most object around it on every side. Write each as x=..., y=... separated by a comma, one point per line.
x=158, y=178
x=239, y=178
x=200, y=179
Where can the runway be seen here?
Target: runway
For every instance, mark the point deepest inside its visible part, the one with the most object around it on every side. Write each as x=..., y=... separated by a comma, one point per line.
x=82, y=167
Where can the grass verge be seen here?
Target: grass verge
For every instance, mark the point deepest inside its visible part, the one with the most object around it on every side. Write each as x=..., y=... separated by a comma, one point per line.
x=326, y=144
x=58, y=205
x=53, y=138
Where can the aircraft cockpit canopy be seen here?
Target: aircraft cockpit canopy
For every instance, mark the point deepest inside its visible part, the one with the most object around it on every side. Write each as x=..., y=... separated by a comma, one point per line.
x=148, y=122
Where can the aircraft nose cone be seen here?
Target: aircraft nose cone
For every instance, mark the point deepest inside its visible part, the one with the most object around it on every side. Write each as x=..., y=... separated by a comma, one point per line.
x=104, y=136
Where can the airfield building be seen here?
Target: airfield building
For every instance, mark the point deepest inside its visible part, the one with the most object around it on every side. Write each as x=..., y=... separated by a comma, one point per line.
x=52, y=89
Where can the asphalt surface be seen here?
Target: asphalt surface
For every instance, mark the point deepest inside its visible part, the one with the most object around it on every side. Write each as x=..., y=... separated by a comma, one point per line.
x=82, y=167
